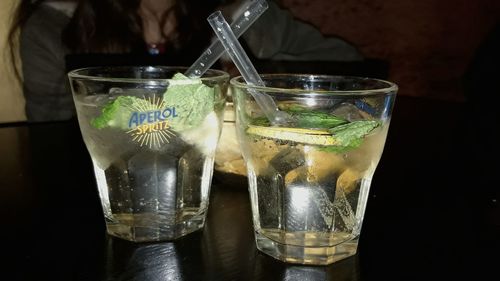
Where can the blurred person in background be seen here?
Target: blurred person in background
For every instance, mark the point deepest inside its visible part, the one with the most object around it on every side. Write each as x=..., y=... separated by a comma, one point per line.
x=58, y=36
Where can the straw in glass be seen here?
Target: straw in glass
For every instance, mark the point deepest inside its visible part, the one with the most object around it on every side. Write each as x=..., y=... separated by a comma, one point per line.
x=247, y=70
x=251, y=13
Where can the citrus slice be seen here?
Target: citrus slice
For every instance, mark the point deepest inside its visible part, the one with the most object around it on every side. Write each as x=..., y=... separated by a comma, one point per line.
x=300, y=135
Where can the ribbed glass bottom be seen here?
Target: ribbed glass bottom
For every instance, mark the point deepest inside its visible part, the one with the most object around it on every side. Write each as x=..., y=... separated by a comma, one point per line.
x=306, y=255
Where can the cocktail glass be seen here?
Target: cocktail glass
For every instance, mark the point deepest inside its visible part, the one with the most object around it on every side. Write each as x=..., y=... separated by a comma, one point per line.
x=152, y=138
x=309, y=179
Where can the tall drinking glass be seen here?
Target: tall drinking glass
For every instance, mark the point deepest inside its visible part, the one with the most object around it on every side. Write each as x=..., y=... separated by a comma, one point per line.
x=309, y=179
x=152, y=135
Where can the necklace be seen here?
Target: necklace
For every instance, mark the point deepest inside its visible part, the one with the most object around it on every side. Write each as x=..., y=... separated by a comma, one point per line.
x=155, y=18
x=156, y=49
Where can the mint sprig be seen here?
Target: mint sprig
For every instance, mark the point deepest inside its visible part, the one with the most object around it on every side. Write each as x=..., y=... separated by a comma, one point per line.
x=192, y=101
x=116, y=113
x=317, y=120
x=307, y=118
x=349, y=135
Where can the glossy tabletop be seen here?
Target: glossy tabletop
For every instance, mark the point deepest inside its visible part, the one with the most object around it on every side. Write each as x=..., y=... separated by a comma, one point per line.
x=432, y=212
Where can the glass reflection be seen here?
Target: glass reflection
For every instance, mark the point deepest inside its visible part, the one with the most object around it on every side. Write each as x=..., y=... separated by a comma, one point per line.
x=154, y=261
x=268, y=268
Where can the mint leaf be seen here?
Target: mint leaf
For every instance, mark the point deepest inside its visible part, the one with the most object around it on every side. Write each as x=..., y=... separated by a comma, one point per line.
x=293, y=108
x=307, y=118
x=192, y=100
x=117, y=113
x=340, y=149
x=180, y=76
x=348, y=133
x=350, y=136
x=317, y=120
x=260, y=121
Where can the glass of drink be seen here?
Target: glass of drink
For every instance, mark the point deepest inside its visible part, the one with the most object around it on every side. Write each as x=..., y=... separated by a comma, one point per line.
x=309, y=179
x=152, y=135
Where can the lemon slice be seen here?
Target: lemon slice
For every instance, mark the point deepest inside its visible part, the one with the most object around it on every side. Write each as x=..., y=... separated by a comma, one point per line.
x=300, y=135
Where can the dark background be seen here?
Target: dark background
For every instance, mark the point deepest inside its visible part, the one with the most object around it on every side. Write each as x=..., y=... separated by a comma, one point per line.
x=428, y=43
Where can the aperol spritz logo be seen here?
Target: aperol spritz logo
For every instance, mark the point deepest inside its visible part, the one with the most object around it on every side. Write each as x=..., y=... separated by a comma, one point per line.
x=149, y=122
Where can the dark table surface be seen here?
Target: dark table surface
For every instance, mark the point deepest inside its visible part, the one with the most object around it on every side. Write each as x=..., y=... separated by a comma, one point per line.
x=432, y=214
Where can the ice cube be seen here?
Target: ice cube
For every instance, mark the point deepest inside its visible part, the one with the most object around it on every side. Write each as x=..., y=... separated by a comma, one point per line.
x=119, y=187
x=308, y=202
x=95, y=101
x=272, y=162
x=153, y=182
x=316, y=204
x=263, y=150
x=350, y=112
x=115, y=92
x=190, y=180
x=321, y=164
x=143, y=183
x=175, y=146
x=349, y=180
x=300, y=212
x=287, y=159
x=269, y=199
x=204, y=135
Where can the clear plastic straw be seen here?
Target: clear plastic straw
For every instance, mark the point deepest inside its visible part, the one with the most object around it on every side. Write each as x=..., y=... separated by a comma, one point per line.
x=246, y=68
x=251, y=13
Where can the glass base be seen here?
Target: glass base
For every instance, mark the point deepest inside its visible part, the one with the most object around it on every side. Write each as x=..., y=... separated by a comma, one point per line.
x=306, y=255
x=137, y=229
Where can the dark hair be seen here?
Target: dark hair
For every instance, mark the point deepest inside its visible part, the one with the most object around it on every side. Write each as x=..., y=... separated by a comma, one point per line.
x=99, y=26
x=21, y=15
x=114, y=26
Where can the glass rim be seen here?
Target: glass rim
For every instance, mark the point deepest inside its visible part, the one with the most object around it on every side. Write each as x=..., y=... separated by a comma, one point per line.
x=77, y=74
x=391, y=87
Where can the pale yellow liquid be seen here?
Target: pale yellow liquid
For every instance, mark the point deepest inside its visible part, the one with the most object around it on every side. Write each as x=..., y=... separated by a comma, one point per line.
x=307, y=199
